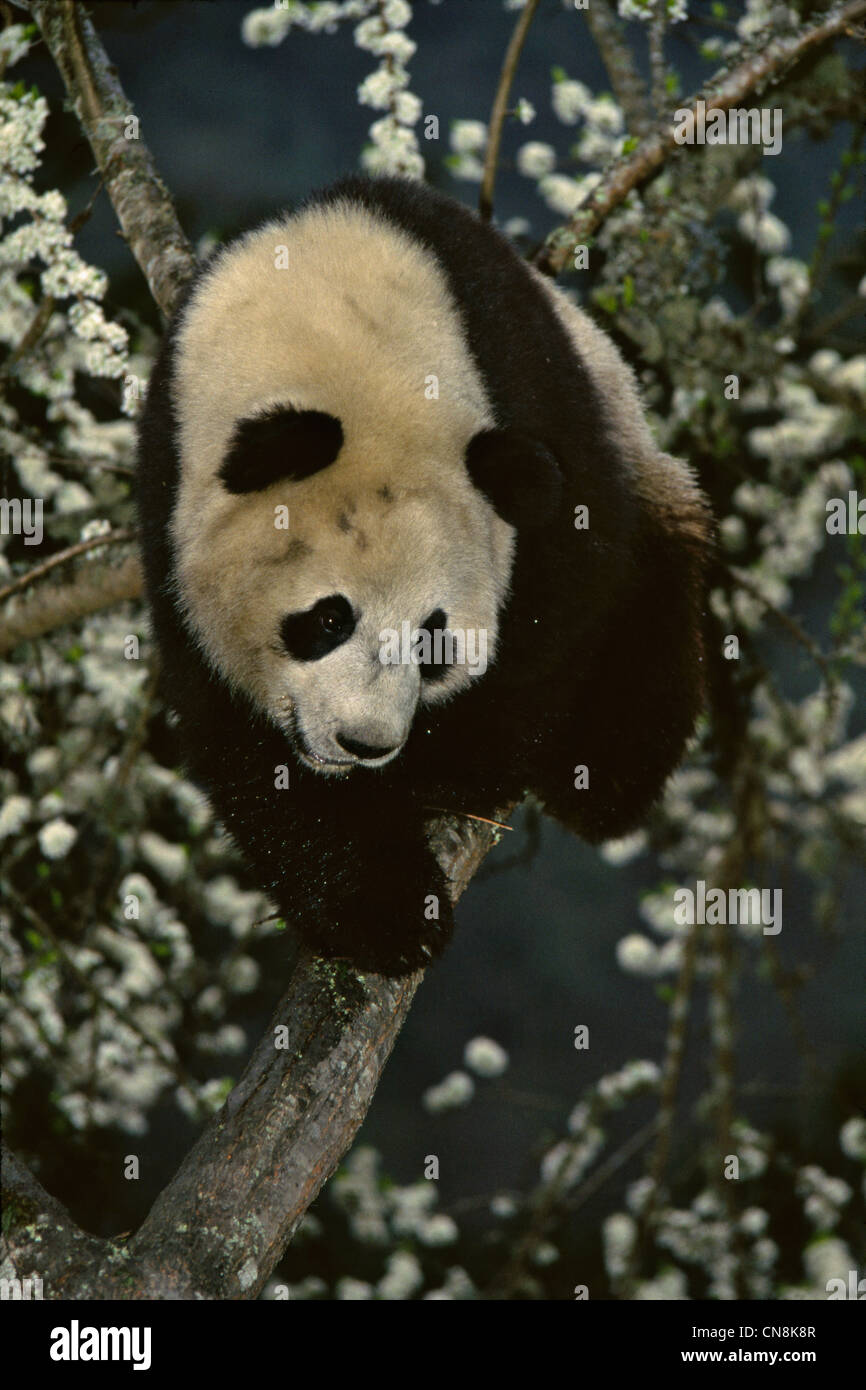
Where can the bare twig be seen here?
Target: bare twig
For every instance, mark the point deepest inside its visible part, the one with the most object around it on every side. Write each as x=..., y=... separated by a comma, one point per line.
x=500, y=106
x=39, y=571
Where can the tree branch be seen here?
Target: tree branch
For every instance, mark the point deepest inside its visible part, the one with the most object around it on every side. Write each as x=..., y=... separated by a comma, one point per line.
x=500, y=106
x=139, y=196
x=723, y=91
x=222, y=1223
x=95, y=586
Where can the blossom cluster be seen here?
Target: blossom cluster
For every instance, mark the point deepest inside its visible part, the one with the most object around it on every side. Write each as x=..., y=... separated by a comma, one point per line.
x=38, y=233
x=379, y=30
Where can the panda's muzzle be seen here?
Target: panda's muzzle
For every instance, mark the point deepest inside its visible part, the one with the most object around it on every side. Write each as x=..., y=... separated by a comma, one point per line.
x=366, y=752
x=360, y=754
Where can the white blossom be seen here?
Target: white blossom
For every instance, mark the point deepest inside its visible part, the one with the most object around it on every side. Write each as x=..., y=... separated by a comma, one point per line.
x=524, y=111
x=169, y=860
x=567, y=1161
x=403, y=1277
x=56, y=838
x=535, y=159
x=618, y=1232
x=354, y=1290
x=438, y=1230
x=826, y=1259
x=267, y=26
x=753, y=1221
x=852, y=1138
x=456, y=1089
x=14, y=815
x=545, y=1253
x=676, y=10
x=231, y=906
x=560, y=192
x=14, y=44
x=397, y=13
x=241, y=975
x=669, y=1286
x=468, y=137
x=766, y=230
x=637, y=955
x=753, y=194
x=570, y=100
x=485, y=1057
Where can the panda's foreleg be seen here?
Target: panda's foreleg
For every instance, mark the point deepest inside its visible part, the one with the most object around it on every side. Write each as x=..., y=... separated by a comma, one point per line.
x=377, y=898
x=347, y=863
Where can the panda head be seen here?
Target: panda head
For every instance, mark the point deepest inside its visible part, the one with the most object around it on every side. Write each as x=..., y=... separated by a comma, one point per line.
x=322, y=567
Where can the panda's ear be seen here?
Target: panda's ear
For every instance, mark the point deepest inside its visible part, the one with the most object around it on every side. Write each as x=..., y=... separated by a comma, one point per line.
x=281, y=443
x=517, y=474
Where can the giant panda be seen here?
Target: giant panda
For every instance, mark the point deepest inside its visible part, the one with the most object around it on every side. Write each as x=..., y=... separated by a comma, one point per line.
x=371, y=417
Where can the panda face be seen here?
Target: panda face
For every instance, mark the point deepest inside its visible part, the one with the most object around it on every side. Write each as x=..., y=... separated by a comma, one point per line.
x=337, y=624
x=327, y=499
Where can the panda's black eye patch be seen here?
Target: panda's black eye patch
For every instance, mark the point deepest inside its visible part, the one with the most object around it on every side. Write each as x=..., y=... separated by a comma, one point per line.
x=321, y=629
x=432, y=670
x=279, y=444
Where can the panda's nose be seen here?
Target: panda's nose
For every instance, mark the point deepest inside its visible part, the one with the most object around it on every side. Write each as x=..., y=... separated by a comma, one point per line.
x=366, y=751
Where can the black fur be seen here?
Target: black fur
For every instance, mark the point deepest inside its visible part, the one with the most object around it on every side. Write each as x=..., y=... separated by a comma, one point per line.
x=600, y=656
x=517, y=474
x=280, y=443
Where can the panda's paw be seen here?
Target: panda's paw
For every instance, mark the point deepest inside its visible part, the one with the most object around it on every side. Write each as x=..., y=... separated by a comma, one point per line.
x=410, y=932
x=391, y=923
